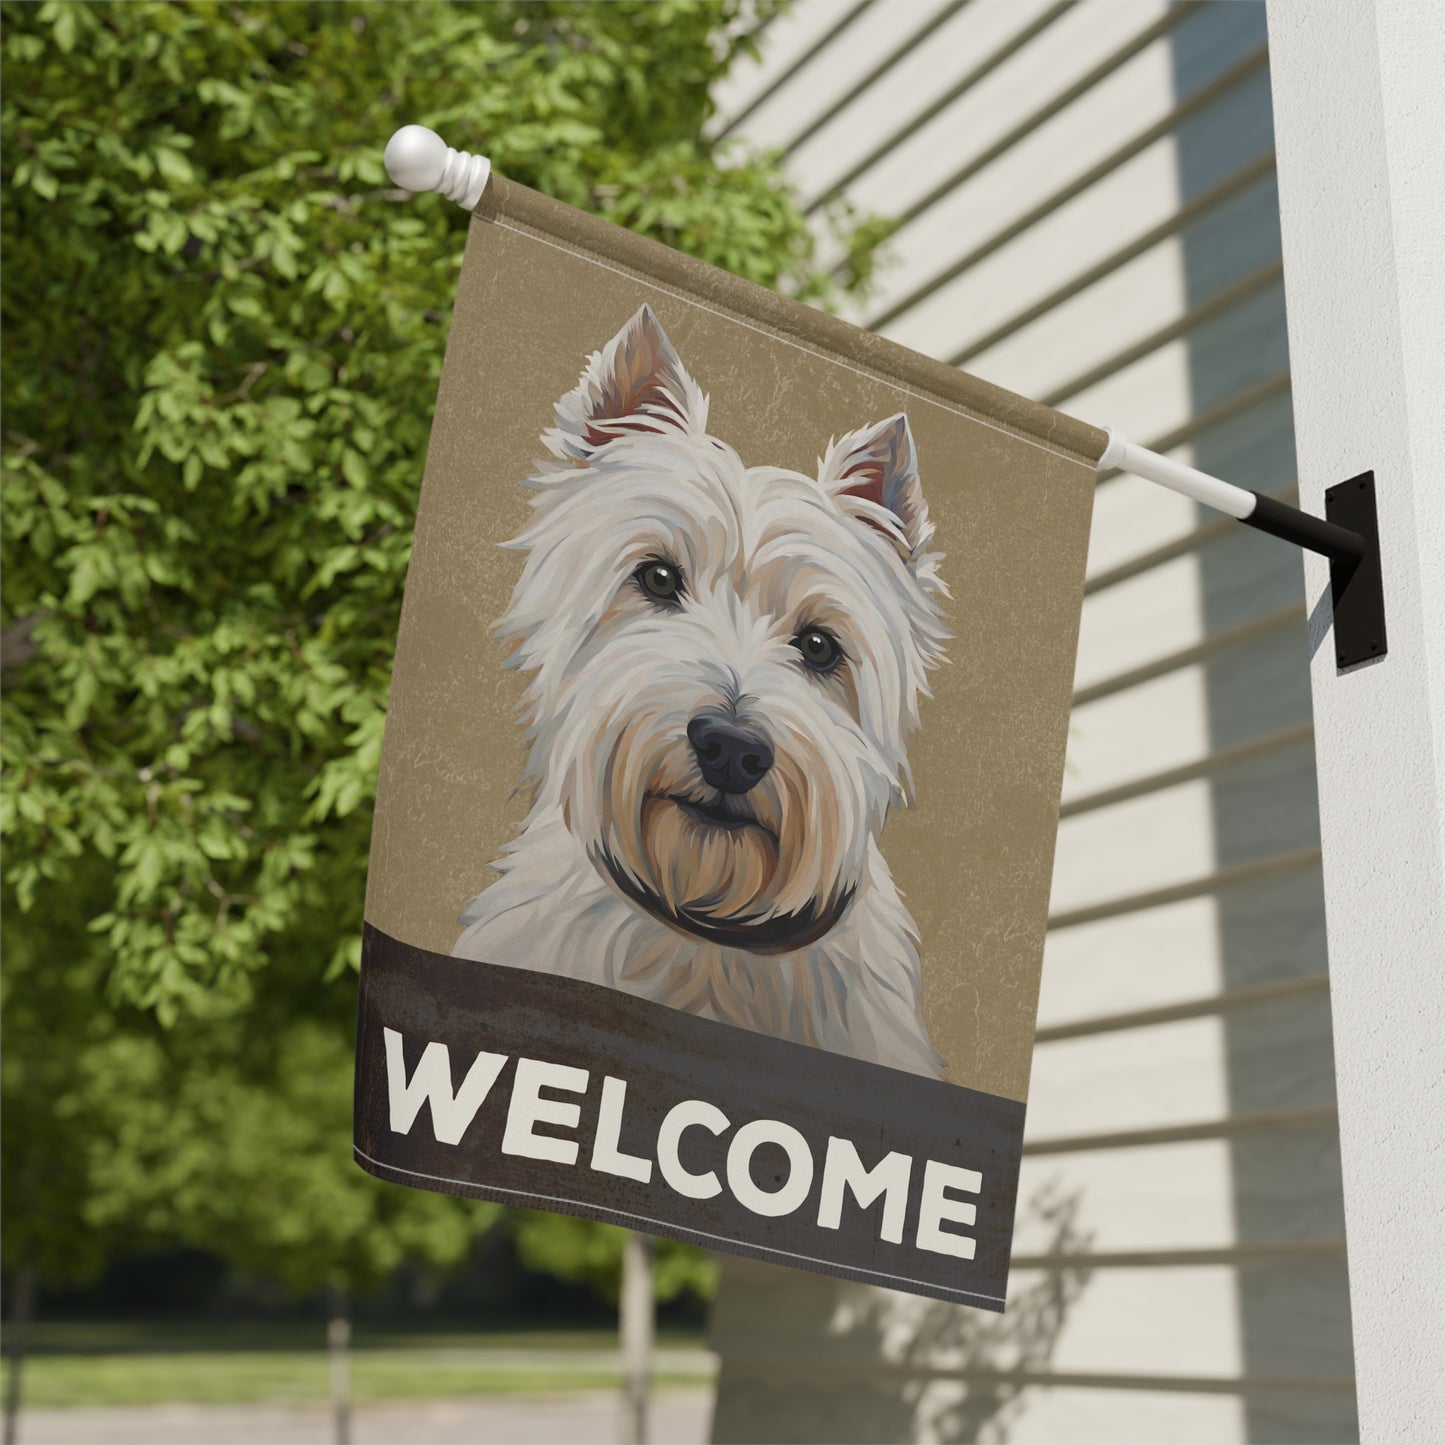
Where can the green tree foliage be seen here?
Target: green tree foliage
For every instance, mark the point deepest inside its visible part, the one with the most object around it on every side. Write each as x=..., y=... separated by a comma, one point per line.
x=233, y=1135
x=223, y=330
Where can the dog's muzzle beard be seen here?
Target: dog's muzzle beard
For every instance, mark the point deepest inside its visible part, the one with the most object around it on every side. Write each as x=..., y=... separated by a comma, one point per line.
x=722, y=901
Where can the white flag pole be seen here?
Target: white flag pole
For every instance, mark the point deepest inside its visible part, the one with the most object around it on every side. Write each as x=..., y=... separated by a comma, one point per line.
x=1123, y=455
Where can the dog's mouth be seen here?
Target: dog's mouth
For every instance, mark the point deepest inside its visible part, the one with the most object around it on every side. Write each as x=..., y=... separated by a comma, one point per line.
x=715, y=814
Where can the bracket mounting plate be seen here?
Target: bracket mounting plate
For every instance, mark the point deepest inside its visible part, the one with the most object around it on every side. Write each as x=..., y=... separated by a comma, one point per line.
x=1357, y=587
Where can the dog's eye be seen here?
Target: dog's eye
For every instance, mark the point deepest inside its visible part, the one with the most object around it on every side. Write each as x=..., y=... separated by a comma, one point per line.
x=660, y=580
x=819, y=649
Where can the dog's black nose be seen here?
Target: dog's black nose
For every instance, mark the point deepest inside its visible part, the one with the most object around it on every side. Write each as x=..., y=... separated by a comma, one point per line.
x=732, y=759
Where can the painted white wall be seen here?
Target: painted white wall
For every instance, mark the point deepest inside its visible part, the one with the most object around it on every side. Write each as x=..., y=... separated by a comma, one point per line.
x=1360, y=122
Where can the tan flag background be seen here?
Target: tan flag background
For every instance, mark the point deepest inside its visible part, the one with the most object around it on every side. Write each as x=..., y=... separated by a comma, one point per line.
x=719, y=792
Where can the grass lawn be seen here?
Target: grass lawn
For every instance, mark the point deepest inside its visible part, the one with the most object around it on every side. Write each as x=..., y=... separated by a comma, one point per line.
x=121, y=1365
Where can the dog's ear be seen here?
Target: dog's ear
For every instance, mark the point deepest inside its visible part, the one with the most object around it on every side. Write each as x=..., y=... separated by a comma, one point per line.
x=873, y=474
x=635, y=384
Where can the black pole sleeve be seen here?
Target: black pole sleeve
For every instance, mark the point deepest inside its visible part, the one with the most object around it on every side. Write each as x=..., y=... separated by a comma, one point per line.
x=1339, y=544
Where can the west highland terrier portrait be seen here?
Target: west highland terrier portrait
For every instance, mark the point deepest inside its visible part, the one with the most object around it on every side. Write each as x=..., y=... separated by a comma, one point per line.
x=724, y=665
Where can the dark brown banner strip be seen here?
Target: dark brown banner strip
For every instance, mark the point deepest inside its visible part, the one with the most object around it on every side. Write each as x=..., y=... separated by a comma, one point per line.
x=533, y=1089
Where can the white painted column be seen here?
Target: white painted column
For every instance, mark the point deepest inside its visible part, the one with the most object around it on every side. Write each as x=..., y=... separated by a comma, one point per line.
x=1360, y=122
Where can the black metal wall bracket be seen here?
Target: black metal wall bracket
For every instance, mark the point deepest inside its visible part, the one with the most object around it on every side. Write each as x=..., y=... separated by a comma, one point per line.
x=1357, y=590
x=1349, y=535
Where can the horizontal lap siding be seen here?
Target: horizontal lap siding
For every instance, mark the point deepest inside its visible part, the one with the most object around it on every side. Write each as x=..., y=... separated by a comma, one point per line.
x=1097, y=227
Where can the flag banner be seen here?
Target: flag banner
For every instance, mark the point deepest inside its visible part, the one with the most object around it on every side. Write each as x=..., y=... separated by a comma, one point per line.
x=718, y=797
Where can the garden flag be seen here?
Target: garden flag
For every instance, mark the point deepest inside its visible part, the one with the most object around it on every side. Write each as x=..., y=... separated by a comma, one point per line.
x=718, y=798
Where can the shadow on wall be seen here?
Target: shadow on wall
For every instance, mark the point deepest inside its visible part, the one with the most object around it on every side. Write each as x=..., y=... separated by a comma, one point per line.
x=915, y=1369
x=1293, y=1303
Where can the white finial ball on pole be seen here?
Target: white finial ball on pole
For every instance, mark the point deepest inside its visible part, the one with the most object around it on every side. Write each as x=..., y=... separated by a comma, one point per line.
x=418, y=159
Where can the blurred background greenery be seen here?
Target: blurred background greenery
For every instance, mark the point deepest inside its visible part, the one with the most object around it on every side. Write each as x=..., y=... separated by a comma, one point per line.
x=222, y=334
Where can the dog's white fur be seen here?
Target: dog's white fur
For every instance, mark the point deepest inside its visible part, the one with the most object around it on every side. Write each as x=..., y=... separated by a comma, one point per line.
x=615, y=878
